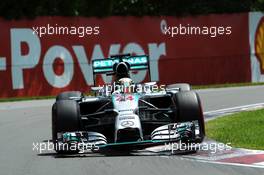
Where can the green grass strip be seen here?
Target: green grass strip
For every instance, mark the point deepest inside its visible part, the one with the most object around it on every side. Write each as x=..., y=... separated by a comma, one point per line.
x=227, y=85
x=245, y=129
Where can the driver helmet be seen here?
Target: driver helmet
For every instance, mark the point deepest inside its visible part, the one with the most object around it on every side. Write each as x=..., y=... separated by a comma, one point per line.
x=126, y=85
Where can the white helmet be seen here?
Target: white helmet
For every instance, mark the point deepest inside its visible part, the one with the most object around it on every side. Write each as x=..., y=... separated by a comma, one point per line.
x=126, y=85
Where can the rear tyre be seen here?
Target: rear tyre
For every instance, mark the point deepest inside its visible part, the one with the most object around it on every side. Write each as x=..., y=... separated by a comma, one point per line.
x=69, y=95
x=181, y=86
x=65, y=118
x=189, y=108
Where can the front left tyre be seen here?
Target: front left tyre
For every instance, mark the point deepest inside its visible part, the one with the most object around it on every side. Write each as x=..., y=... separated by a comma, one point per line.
x=189, y=108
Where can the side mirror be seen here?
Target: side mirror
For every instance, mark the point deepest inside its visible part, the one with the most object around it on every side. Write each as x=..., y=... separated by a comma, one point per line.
x=110, y=111
x=97, y=90
x=75, y=98
x=150, y=83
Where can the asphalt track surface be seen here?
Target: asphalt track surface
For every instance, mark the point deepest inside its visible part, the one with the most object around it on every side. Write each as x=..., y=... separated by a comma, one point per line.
x=22, y=123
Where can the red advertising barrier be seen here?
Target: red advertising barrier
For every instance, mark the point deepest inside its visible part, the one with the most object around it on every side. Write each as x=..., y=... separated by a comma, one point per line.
x=48, y=55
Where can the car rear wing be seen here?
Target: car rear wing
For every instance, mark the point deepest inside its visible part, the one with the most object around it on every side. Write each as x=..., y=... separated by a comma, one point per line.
x=105, y=66
x=102, y=66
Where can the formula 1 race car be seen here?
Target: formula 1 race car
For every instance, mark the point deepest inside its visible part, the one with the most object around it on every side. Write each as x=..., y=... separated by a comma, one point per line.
x=126, y=115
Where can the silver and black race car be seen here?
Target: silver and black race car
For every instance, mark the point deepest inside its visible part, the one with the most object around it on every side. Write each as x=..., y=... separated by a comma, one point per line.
x=126, y=115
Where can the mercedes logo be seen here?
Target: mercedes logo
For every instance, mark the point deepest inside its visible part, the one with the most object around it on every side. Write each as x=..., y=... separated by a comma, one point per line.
x=127, y=123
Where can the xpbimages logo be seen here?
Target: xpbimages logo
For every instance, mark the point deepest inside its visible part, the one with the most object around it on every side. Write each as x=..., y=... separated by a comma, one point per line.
x=80, y=31
x=48, y=146
x=212, y=147
x=188, y=29
x=116, y=88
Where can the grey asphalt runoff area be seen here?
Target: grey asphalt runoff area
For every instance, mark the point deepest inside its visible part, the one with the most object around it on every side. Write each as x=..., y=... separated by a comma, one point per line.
x=28, y=122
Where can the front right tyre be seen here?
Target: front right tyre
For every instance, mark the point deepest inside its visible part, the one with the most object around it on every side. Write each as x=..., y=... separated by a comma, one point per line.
x=65, y=118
